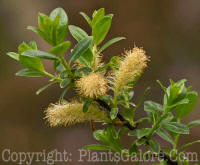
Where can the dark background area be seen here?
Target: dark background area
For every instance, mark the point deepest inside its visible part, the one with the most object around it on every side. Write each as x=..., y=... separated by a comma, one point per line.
x=169, y=31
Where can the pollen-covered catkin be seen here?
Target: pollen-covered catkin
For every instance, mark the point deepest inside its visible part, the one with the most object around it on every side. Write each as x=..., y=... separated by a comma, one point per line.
x=132, y=66
x=72, y=113
x=92, y=85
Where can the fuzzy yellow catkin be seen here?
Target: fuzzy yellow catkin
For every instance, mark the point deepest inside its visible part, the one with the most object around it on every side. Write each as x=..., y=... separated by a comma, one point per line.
x=132, y=66
x=92, y=85
x=72, y=113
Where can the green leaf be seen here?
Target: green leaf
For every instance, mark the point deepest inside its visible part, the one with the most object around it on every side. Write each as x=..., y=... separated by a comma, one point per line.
x=163, y=134
x=176, y=127
x=101, y=29
x=44, y=23
x=32, y=63
x=86, y=58
x=61, y=29
x=185, y=162
x=183, y=110
x=106, y=45
x=161, y=85
x=113, y=113
x=175, y=93
x=154, y=146
x=100, y=135
x=143, y=132
x=143, y=120
x=150, y=106
x=96, y=147
x=13, y=55
x=142, y=98
x=62, y=95
x=80, y=48
x=43, y=88
x=193, y=123
x=87, y=18
x=33, y=45
x=60, y=48
x=98, y=15
x=23, y=47
x=39, y=54
x=133, y=149
x=40, y=33
x=77, y=32
x=29, y=73
x=133, y=133
x=128, y=114
x=86, y=105
x=188, y=144
x=65, y=83
x=85, y=70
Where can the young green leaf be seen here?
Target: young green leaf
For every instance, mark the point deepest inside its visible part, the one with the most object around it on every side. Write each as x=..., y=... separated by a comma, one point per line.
x=86, y=105
x=43, y=88
x=65, y=83
x=23, y=47
x=100, y=135
x=61, y=29
x=128, y=114
x=183, y=110
x=60, y=48
x=62, y=95
x=133, y=149
x=101, y=29
x=80, y=48
x=97, y=147
x=163, y=134
x=44, y=23
x=193, y=123
x=133, y=133
x=41, y=34
x=154, y=146
x=29, y=73
x=188, y=144
x=77, y=32
x=13, y=55
x=176, y=127
x=39, y=54
x=31, y=63
x=87, y=58
x=143, y=132
x=98, y=15
x=106, y=45
x=150, y=106
x=113, y=113
x=143, y=120
x=87, y=18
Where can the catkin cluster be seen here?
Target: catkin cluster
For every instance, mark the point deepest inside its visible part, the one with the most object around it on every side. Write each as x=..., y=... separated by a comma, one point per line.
x=92, y=85
x=72, y=113
x=133, y=64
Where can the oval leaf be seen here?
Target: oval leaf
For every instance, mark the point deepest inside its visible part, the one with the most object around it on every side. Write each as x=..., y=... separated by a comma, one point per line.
x=101, y=29
x=77, y=32
x=39, y=54
x=80, y=48
x=176, y=127
x=60, y=48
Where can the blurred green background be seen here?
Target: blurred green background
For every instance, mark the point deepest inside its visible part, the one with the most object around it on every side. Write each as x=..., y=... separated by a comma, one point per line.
x=169, y=31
